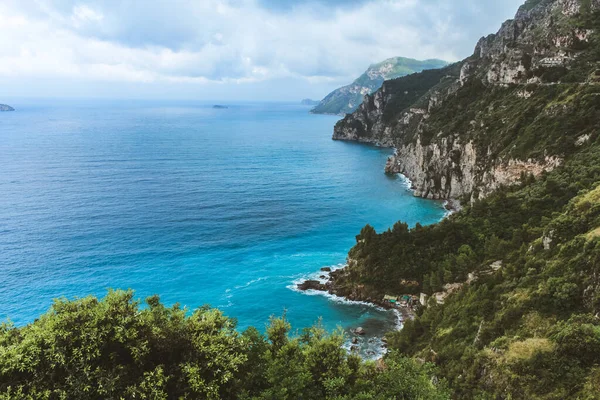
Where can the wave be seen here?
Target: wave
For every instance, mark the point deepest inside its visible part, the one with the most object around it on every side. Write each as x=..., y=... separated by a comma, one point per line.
x=316, y=276
x=313, y=276
x=399, y=319
x=371, y=348
x=333, y=297
x=449, y=211
x=407, y=183
x=253, y=281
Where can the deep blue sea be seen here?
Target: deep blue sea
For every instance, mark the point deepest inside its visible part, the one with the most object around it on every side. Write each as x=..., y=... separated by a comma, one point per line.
x=226, y=207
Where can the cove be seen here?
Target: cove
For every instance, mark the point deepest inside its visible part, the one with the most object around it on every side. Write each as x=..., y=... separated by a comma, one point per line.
x=201, y=205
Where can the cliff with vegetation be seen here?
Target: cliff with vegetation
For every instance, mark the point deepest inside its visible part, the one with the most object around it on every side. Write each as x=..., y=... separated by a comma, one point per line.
x=347, y=99
x=519, y=275
x=513, y=279
x=518, y=105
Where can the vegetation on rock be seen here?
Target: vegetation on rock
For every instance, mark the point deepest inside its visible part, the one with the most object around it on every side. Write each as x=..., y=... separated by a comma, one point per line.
x=523, y=102
x=523, y=318
x=347, y=99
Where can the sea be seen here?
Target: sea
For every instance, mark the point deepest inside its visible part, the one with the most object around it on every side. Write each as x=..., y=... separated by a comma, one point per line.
x=229, y=207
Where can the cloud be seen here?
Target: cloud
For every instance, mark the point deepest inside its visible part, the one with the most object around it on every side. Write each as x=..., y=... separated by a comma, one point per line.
x=235, y=41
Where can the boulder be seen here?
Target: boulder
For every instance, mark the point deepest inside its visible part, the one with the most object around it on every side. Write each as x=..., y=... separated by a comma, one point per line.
x=326, y=269
x=311, y=285
x=359, y=331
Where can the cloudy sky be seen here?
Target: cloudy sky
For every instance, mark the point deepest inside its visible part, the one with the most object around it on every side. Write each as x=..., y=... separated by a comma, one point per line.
x=225, y=49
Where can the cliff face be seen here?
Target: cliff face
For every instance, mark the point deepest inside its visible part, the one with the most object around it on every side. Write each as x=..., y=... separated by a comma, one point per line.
x=476, y=125
x=347, y=98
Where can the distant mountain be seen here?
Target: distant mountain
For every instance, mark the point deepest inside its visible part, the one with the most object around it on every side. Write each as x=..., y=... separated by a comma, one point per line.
x=346, y=99
x=309, y=102
x=4, y=107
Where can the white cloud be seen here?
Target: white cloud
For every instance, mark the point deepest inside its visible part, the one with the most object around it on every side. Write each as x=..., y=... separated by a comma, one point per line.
x=83, y=15
x=231, y=41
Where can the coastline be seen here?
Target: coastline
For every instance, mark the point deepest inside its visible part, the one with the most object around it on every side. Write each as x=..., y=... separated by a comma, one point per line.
x=323, y=283
x=323, y=113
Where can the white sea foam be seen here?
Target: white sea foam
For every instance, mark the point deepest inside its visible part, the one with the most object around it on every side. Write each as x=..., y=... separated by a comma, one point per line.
x=229, y=304
x=405, y=181
x=253, y=281
x=371, y=347
x=399, y=319
x=449, y=211
x=316, y=276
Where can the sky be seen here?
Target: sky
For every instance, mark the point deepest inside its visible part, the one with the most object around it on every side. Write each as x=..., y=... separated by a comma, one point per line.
x=225, y=49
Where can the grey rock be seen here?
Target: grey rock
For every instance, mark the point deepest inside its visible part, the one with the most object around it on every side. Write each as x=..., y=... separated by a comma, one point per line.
x=453, y=165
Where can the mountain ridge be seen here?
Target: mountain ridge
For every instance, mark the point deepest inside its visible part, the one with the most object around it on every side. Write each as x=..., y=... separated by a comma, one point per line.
x=347, y=98
x=510, y=284
x=534, y=59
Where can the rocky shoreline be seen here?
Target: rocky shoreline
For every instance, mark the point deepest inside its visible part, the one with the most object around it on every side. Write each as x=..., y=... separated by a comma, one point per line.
x=332, y=287
x=363, y=340
x=330, y=278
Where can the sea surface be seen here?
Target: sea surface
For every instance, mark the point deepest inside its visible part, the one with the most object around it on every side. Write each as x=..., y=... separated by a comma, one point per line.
x=227, y=207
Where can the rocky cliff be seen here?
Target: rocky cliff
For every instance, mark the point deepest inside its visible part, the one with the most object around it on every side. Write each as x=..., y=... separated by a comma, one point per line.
x=502, y=113
x=347, y=99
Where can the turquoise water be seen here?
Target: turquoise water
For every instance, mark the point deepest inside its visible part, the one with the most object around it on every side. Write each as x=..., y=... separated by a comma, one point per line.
x=225, y=207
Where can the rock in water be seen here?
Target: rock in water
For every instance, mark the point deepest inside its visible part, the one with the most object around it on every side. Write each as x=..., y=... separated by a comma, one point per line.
x=6, y=107
x=311, y=285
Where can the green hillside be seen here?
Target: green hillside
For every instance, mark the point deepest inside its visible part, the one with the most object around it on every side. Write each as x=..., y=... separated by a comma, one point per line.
x=346, y=99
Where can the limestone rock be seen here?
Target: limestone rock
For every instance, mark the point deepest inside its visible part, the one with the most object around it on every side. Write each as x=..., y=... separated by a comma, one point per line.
x=450, y=164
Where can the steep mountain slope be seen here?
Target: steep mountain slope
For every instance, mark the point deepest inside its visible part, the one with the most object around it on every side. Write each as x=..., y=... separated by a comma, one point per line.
x=347, y=99
x=523, y=320
x=520, y=104
x=513, y=279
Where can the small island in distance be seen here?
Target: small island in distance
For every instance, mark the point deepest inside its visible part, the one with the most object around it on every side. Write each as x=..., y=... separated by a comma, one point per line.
x=220, y=106
x=6, y=107
x=309, y=102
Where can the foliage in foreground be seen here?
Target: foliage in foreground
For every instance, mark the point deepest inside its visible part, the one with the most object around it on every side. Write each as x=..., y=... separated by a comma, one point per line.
x=115, y=349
